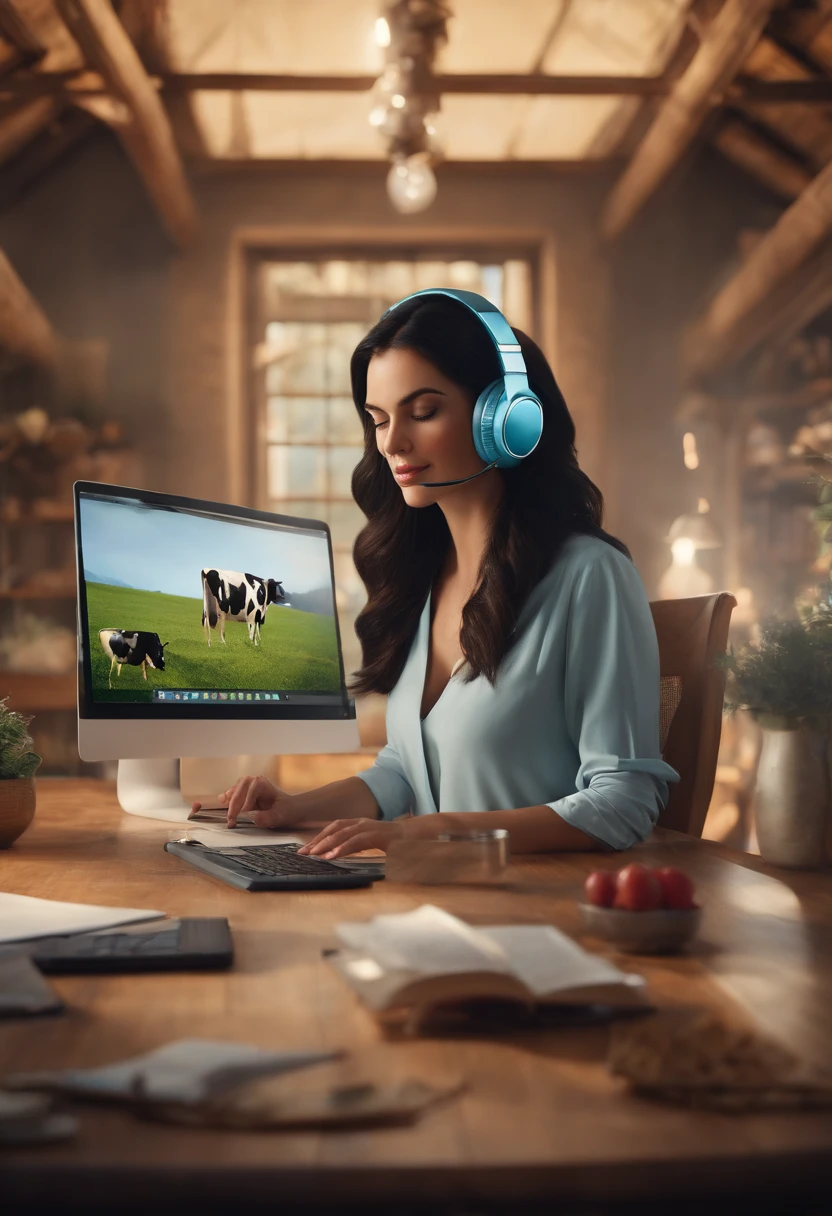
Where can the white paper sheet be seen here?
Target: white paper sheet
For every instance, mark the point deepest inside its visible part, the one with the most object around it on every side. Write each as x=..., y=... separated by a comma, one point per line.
x=23, y=917
x=234, y=838
x=188, y=1070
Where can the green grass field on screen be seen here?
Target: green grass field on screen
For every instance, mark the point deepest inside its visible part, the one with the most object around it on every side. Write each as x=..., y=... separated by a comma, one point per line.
x=298, y=650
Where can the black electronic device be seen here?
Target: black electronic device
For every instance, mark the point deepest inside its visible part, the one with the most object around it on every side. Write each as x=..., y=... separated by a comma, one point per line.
x=191, y=944
x=274, y=867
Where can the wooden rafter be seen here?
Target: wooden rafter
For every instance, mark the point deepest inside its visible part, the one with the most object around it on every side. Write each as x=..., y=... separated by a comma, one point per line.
x=751, y=151
x=147, y=135
x=20, y=32
x=723, y=50
x=740, y=316
x=744, y=89
x=24, y=330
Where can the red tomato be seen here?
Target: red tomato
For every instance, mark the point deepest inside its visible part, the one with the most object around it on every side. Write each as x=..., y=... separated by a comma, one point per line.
x=677, y=888
x=599, y=888
x=637, y=889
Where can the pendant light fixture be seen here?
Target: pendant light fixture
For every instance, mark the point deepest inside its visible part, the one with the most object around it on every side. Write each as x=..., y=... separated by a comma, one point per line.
x=405, y=102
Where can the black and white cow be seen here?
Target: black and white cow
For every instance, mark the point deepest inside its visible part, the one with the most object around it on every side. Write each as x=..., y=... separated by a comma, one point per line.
x=136, y=649
x=228, y=595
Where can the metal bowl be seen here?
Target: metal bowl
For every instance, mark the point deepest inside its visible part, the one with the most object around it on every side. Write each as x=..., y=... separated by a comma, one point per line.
x=663, y=931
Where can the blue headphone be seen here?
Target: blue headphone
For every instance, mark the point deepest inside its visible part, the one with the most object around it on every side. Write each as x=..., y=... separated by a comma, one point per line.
x=508, y=416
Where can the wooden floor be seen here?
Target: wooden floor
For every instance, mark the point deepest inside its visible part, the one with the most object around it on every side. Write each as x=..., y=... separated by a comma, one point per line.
x=540, y=1120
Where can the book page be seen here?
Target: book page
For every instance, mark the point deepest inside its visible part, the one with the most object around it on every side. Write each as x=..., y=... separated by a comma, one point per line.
x=427, y=940
x=236, y=838
x=548, y=961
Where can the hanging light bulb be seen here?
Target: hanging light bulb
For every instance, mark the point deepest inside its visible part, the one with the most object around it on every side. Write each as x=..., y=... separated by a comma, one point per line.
x=405, y=101
x=382, y=32
x=411, y=183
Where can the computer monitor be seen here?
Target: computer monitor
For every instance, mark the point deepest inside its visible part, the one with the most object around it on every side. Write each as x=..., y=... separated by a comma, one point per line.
x=203, y=630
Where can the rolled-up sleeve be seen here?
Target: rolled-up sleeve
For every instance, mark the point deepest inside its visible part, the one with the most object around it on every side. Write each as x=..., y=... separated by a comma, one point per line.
x=388, y=784
x=612, y=707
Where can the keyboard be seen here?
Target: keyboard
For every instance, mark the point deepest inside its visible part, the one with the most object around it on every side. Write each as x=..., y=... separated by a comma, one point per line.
x=193, y=943
x=274, y=867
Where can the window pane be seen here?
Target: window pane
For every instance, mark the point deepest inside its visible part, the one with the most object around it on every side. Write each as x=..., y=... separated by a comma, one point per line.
x=346, y=521
x=342, y=339
x=295, y=471
x=299, y=365
x=344, y=424
x=296, y=419
x=465, y=276
x=492, y=285
x=397, y=279
x=342, y=461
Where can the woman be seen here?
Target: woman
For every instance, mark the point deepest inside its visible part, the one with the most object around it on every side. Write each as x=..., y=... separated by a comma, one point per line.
x=511, y=632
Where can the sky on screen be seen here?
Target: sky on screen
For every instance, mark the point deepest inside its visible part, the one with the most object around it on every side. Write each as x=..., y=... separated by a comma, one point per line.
x=158, y=550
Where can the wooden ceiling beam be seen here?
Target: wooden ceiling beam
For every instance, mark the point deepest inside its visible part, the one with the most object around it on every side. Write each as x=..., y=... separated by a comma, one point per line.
x=722, y=52
x=20, y=127
x=147, y=137
x=522, y=83
x=751, y=151
x=742, y=313
x=19, y=32
x=744, y=88
x=24, y=330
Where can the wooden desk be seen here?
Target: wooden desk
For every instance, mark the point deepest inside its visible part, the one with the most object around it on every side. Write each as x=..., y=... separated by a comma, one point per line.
x=540, y=1119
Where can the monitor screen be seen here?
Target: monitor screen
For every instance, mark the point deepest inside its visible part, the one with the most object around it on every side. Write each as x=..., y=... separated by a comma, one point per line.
x=194, y=606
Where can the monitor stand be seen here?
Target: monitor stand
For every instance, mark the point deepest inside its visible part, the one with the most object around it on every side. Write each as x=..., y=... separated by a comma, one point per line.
x=151, y=788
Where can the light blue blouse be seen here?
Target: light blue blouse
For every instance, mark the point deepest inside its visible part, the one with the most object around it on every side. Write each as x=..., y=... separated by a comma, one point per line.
x=571, y=722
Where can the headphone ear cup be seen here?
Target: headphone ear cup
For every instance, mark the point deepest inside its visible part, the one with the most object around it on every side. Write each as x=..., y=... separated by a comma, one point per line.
x=485, y=412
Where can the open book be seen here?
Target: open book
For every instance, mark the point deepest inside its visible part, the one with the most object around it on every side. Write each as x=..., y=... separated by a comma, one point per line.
x=427, y=964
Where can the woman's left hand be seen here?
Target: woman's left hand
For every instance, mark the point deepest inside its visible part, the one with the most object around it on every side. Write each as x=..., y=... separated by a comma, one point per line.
x=345, y=836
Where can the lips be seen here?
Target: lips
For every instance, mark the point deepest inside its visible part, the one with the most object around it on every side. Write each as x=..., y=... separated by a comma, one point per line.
x=407, y=473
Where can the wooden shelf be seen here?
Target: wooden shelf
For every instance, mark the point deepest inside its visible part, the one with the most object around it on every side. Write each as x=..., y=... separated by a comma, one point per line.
x=792, y=478
x=29, y=691
x=60, y=513
x=31, y=593
x=815, y=392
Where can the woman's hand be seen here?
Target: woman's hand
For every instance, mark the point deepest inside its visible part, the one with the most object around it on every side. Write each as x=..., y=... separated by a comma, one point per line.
x=345, y=836
x=268, y=806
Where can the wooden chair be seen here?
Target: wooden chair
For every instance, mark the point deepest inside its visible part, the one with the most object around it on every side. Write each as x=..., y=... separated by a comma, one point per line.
x=691, y=633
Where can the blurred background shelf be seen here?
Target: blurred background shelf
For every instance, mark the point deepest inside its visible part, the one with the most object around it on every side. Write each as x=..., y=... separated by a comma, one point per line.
x=29, y=692
x=33, y=593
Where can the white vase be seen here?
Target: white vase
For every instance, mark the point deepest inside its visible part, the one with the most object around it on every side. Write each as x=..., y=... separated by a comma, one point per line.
x=792, y=793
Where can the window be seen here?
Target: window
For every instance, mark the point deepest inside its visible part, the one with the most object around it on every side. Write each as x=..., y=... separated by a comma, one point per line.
x=309, y=317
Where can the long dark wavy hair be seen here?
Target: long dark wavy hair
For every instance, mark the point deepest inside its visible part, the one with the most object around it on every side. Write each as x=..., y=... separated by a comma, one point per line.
x=400, y=550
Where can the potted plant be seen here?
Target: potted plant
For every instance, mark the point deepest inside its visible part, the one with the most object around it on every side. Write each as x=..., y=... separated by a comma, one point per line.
x=785, y=681
x=17, y=775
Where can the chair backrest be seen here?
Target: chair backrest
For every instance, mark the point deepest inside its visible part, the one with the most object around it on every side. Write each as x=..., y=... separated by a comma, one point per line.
x=691, y=633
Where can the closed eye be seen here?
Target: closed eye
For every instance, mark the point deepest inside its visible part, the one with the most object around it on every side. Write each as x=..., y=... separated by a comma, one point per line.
x=416, y=418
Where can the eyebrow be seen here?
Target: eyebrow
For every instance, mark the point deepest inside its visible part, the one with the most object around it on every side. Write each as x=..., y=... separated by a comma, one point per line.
x=417, y=392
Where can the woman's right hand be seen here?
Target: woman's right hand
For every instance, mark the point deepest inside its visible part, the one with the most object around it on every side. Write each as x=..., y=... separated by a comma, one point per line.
x=267, y=804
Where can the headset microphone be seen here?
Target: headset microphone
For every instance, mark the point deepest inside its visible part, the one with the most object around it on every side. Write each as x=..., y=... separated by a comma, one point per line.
x=459, y=482
x=508, y=416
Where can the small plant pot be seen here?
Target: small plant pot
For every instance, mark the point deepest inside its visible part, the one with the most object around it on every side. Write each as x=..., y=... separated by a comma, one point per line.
x=792, y=794
x=17, y=808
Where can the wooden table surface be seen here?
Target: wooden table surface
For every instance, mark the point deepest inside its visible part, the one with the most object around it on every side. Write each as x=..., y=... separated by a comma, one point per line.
x=540, y=1116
